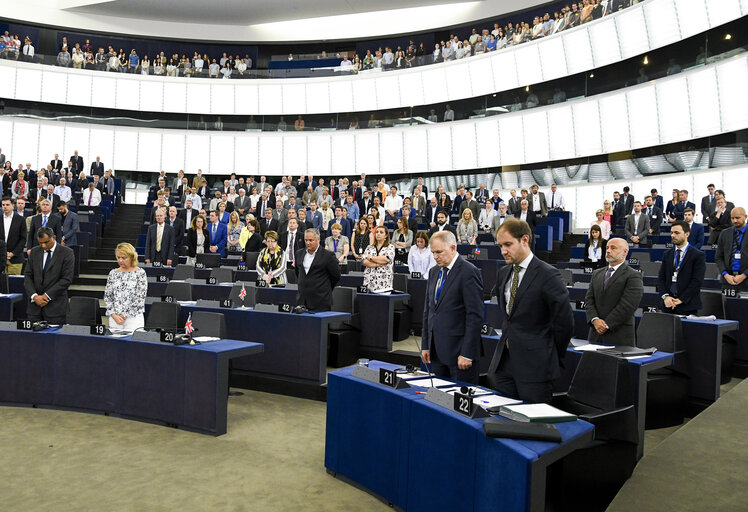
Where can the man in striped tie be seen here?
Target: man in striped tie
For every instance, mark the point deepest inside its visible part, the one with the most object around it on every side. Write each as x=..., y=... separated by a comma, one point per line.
x=538, y=321
x=452, y=313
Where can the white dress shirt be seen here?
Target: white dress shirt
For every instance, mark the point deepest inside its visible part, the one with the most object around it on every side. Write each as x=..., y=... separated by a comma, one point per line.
x=309, y=259
x=7, y=220
x=393, y=203
x=420, y=260
x=508, y=288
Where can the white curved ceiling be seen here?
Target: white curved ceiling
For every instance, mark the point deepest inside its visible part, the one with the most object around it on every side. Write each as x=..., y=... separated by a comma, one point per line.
x=260, y=20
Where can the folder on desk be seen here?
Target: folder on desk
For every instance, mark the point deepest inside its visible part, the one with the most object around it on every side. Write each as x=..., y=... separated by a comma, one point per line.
x=627, y=351
x=511, y=430
x=535, y=413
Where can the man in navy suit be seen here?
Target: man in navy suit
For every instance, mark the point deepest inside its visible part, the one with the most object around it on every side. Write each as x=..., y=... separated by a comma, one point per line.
x=97, y=168
x=70, y=225
x=538, y=322
x=218, y=235
x=681, y=273
x=432, y=210
x=657, y=200
x=452, y=313
x=696, y=238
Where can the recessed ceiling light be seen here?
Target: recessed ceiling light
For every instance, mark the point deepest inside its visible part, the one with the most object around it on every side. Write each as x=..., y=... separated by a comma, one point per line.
x=646, y=60
x=728, y=37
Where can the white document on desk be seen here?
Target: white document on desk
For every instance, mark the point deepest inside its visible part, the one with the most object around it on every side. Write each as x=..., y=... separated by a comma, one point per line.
x=591, y=347
x=486, y=401
x=426, y=383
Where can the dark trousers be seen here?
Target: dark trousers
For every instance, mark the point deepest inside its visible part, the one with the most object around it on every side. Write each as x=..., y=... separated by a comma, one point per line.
x=53, y=315
x=534, y=392
x=452, y=371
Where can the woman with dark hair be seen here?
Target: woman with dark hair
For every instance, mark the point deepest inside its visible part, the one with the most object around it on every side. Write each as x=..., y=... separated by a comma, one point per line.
x=361, y=238
x=403, y=239
x=594, y=249
x=272, y=261
x=198, y=239
x=250, y=239
x=379, y=260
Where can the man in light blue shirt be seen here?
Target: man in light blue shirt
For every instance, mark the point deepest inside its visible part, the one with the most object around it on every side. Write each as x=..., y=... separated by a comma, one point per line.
x=63, y=191
x=352, y=208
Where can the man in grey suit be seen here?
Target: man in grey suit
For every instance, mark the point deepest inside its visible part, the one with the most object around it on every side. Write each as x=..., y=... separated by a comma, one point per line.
x=708, y=203
x=637, y=226
x=242, y=203
x=514, y=203
x=49, y=273
x=499, y=218
x=70, y=225
x=471, y=203
x=159, y=243
x=612, y=298
x=732, y=252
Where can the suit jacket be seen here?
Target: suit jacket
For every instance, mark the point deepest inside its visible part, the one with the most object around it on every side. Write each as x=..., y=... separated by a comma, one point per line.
x=432, y=212
x=642, y=229
x=219, y=237
x=655, y=220
x=16, y=238
x=345, y=224
x=531, y=219
x=603, y=246
x=513, y=205
x=3, y=257
x=659, y=203
x=543, y=203
x=679, y=208
x=167, y=243
x=481, y=196
x=192, y=243
x=719, y=224
x=538, y=328
x=496, y=222
x=179, y=230
x=182, y=214
x=363, y=206
x=70, y=228
x=419, y=204
x=628, y=203
x=54, y=282
x=77, y=164
x=619, y=215
x=298, y=241
x=474, y=207
x=696, y=238
x=453, y=324
x=447, y=227
x=242, y=203
x=707, y=207
x=97, y=169
x=53, y=222
x=56, y=164
x=615, y=304
x=357, y=193
x=724, y=255
x=264, y=228
x=689, y=281
x=315, y=287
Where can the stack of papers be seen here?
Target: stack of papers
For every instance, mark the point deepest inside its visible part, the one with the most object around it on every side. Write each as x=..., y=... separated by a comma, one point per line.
x=488, y=401
x=591, y=347
x=426, y=383
x=205, y=339
x=542, y=413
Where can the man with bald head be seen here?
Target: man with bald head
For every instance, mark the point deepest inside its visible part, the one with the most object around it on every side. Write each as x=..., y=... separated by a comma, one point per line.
x=732, y=252
x=612, y=298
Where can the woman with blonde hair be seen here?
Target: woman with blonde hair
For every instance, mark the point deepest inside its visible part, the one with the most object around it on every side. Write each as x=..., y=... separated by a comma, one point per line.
x=603, y=224
x=467, y=228
x=234, y=232
x=126, y=289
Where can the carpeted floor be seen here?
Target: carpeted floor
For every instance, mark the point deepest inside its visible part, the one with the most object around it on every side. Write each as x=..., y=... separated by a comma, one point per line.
x=272, y=458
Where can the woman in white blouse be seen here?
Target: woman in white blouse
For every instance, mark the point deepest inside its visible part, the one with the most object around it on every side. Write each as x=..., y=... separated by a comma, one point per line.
x=125, y=292
x=420, y=258
x=603, y=224
x=486, y=217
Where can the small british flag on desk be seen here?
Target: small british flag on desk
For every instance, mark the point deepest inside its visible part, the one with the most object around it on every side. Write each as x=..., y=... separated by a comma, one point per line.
x=242, y=293
x=188, y=328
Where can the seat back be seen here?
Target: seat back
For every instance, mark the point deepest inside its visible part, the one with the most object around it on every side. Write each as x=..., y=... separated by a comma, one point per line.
x=641, y=256
x=660, y=330
x=182, y=272
x=400, y=282
x=222, y=275
x=249, y=288
x=250, y=258
x=712, y=303
x=649, y=268
x=83, y=311
x=209, y=324
x=4, y=286
x=164, y=315
x=567, y=275
x=180, y=291
x=343, y=301
x=601, y=381
x=209, y=260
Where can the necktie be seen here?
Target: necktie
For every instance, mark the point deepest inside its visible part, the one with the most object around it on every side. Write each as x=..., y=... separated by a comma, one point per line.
x=90, y=197
x=515, y=285
x=44, y=220
x=159, y=235
x=553, y=200
x=607, y=276
x=649, y=211
x=440, y=283
x=47, y=259
x=290, y=248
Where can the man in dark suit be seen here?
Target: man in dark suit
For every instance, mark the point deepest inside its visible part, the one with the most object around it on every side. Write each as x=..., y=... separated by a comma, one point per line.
x=708, y=203
x=481, y=195
x=681, y=274
x=628, y=200
x=178, y=225
x=538, y=322
x=317, y=272
x=97, y=168
x=49, y=273
x=218, y=234
x=637, y=226
x=442, y=224
x=612, y=298
x=291, y=239
x=452, y=313
x=187, y=214
x=45, y=219
x=514, y=203
x=619, y=212
x=13, y=231
x=696, y=238
x=657, y=200
x=365, y=203
x=732, y=252
x=70, y=225
x=432, y=210
x=269, y=223
x=56, y=163
x=471, y=203
x=77, y=162
x=527, y=215
x=680, y=207
x=242, y=203
x=720, y=220
x=159, y=242
x=655, y=216
x=344, y=224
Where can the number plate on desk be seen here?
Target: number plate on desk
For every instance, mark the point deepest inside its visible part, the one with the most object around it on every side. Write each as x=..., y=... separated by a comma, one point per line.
x=669, y=245
x=211, y=280
x=387, y=377
x=633, y=261
x=261, y=284
x=161, y=279
x=416, y=275
x=156, y=264
x=167, y=298
x=167, y=337
x=581, y=304
x=284, y=308
x=588, y=270
x=362, y=289
x=463, y=404
x=242, y=266
x=226, y=303
x=485, y=329
x=24, y=325
x=199, y=265
x=714, y=246
x=98, y=330
x=727, y=292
